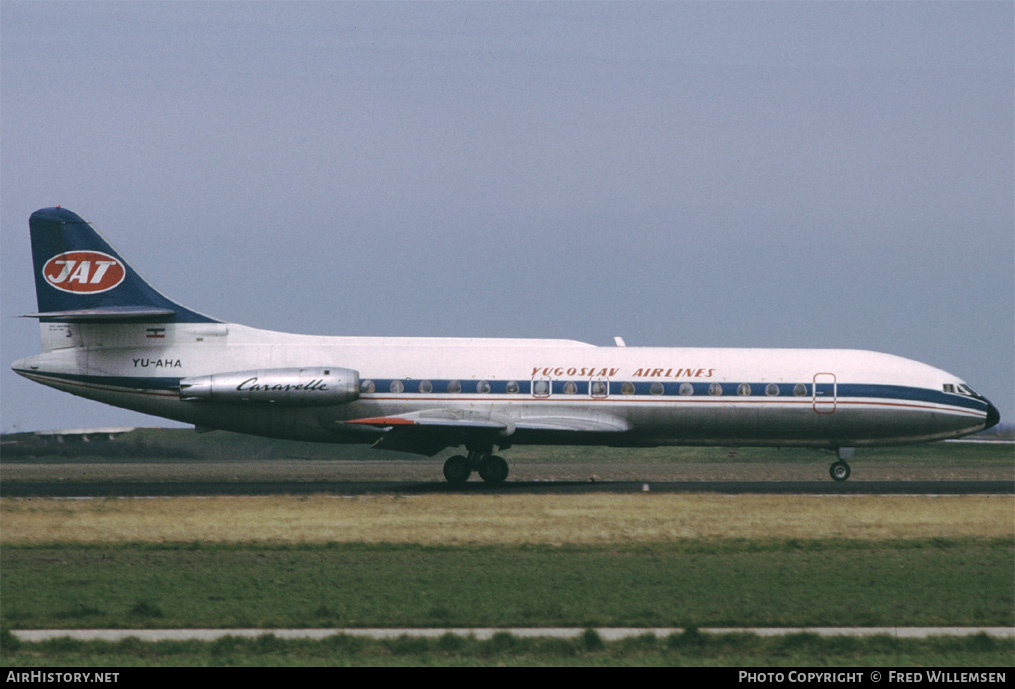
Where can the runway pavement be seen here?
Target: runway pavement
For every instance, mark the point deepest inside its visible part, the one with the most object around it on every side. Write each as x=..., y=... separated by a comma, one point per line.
x=96, y=489
x=305, y=477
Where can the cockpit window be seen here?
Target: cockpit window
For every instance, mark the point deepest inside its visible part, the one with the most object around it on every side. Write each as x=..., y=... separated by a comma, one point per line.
x=964, y=389
x=960, y=389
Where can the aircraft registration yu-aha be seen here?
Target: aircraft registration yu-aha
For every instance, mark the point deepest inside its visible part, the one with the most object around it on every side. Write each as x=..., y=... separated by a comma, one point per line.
x=107, y=335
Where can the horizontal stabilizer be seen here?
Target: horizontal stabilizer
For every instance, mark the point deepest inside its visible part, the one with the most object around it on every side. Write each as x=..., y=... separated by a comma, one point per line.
x=107, y=314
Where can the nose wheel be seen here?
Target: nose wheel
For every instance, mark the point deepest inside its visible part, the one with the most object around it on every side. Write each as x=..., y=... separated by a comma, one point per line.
x=491, y=468
x=839, y=471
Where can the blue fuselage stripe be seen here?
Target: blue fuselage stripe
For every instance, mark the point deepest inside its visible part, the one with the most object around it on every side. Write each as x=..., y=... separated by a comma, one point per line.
x=562, y=390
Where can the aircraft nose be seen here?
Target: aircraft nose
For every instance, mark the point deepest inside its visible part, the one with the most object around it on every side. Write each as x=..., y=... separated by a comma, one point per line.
x=993, y=416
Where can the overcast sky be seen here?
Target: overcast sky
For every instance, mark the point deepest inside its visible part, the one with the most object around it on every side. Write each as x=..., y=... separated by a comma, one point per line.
x=680, y=174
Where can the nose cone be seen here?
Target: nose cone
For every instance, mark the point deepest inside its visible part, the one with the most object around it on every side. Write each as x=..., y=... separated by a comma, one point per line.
x=24, y=366
x=993, y=416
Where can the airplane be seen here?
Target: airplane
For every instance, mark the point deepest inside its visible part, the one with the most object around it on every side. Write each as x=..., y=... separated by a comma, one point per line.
x=109, y=336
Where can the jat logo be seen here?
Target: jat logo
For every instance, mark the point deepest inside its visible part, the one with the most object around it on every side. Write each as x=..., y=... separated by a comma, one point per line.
x=83, y=272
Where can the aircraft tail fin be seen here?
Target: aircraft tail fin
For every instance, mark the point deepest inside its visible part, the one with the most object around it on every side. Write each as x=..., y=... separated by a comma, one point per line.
x=80, y=277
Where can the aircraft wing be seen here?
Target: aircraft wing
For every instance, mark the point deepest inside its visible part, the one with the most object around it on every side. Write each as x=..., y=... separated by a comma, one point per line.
x=428, y=431
x=574, y=423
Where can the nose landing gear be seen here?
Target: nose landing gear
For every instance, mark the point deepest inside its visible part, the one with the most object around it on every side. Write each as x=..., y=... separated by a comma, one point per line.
x=840, y=471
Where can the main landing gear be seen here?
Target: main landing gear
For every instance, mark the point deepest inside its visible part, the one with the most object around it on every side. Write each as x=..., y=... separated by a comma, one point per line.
x=840, y=471
x=491, y=468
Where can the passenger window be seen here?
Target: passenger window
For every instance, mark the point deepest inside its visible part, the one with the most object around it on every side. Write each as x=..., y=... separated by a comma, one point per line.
x=570, y=388
x=598, y=388
x=772, y=390
x=715, y=389
x=686, y=389
x=366, y=386
x=541, y=388
x=454, y=387
x=425, y=386
x=657, y=389
x=483, y=387
x=799, y=390
x=511, y=388
x=744, y=390
x=627, y=388
x=397, y=386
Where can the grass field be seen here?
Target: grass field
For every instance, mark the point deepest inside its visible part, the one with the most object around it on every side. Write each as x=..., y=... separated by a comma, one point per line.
x=449, y=519
x=694, y=583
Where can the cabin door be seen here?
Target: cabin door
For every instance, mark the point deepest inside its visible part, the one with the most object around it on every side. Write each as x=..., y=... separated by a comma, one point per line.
x=825, y=392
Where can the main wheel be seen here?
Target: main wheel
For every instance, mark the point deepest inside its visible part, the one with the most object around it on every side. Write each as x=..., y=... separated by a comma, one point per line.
x=839, y=471
x=493, y=469
x=457, y=470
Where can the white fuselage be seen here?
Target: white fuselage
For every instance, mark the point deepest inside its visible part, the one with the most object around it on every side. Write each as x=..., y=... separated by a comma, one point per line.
x=520, y=390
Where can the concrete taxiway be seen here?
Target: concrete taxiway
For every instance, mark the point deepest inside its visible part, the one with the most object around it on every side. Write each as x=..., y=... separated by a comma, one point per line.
x=97, y=489
x=337, y=477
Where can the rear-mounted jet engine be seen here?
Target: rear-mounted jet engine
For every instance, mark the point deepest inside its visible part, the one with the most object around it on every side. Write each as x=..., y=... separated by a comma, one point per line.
x=289, y=386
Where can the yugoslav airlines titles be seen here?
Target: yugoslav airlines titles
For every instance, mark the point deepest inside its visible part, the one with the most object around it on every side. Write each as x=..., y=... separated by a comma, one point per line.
x=587, y=372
